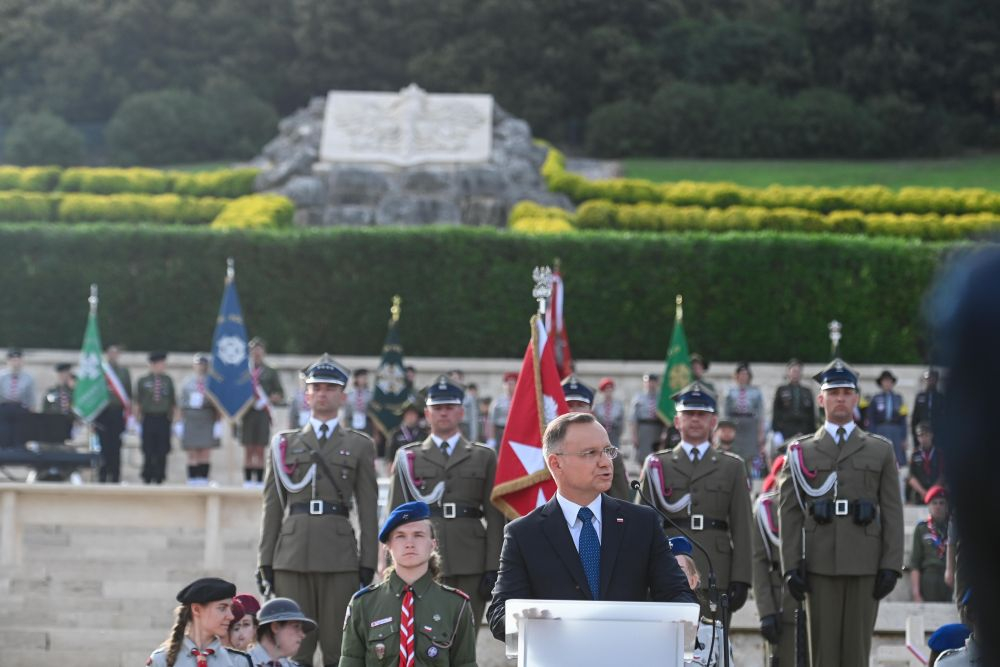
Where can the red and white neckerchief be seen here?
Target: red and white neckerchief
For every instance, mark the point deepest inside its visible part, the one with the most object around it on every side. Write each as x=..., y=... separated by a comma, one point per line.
x=936, y=538
x=157, y=388
x=608, y=405
x=202, y=658
x=64, y=400
x=927, y=462
x=407, y=644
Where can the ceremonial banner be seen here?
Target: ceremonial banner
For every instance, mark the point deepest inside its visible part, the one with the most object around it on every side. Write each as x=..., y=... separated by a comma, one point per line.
x=555, y=323
x=391, y=390
x=522, y=480
x=90, y=395
x=677, y=373
x=230, y=385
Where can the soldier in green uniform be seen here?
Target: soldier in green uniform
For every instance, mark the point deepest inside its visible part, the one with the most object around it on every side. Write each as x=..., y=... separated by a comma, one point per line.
x=308, y=550
x=155, y=405
x=841, y=525
x=409, y=618
x=580, y=398
x=255, y=429
x=775, y=606
x=794, y=409
x=705, y=491
x=455, y=477
x=58, y=399
x=927, y=558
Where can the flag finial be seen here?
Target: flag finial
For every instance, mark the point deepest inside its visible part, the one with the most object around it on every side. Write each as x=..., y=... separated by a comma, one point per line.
x=230, y=268
x=92, y=300
x=543, y=286
x=679, y=314
x=397, y=307
x=835, y=328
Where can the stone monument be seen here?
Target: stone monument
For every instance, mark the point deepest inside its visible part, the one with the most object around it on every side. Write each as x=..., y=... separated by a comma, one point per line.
x=357, y=158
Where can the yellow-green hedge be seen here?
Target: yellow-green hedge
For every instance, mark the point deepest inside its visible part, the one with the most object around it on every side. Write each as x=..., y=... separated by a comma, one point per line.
x=541, y=225
x=603, y=214
x=166, y=208
x=27, y=206
x=256, y=212
x=868, y=199
x=530, y=209
x=229, y=183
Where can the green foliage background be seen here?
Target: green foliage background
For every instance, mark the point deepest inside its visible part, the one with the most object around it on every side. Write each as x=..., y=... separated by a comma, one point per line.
x=763, y=296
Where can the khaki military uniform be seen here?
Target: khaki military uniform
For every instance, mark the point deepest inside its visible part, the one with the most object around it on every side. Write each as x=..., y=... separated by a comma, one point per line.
x=768, y=586
x=220, y=656
x=720, y=503
x=620, y=487
x=316, y=556
x=843, y=557
x=445, y=633
x=468, y=547
x=156, y=406
x=794, y=411
x=928, y=558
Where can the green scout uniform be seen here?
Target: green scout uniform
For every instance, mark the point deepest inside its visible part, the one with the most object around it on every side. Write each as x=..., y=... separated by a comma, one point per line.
x=718, y=513
x=156, y=398
x=58, y=400
x=468, y=548
x=768, y=588
x=445, y=633
x=928, y=558
x=794, y=411
x=256, y=426
x=306, y=535
x=842, y=556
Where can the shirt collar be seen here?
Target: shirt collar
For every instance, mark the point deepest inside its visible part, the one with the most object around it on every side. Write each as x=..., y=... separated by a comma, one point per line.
x=702, y=449
x=832, y=429
x=571, y=510
x=452, y=441
x=316, y=424
x=215, y=644
x=420, y=586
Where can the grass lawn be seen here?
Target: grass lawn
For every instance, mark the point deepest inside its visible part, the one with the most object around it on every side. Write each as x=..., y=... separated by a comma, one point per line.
x=970, y=172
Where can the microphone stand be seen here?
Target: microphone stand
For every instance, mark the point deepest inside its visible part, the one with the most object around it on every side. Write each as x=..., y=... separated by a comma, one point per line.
x=716, y=600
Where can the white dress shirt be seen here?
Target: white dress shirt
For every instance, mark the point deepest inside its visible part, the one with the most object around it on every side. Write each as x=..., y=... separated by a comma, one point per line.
x=571, y=510
x=702, y=449
x=452, y=441
x=331, y=424
x=832, y=430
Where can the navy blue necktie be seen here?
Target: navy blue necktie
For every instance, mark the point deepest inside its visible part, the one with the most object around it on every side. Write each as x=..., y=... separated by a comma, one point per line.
x=590, y=551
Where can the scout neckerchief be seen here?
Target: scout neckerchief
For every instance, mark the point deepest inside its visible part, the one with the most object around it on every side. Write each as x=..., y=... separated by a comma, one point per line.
x=202, y=657
x=936, y=538
x=406, y=639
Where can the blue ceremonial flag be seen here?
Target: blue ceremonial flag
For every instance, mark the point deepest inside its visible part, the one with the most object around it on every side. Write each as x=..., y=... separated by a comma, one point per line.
x=229, y=383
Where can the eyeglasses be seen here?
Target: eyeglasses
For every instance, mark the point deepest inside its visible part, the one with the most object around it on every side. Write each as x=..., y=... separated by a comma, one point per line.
x=591, y=455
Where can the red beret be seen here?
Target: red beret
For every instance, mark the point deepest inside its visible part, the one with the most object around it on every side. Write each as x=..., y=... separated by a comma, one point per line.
x=605, y=383
x=238, y=611
x=248, y=602
x=934, y=492
x=510, y=376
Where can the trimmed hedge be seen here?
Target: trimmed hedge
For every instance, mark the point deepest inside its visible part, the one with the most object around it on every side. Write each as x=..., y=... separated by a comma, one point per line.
x=256, y=212
x=763, y=296
x=229, y=183
x=867, y=199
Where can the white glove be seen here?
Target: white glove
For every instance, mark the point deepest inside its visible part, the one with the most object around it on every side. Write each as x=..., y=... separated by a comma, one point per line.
x=132, y=425
x=179, y=430
x=492, y=443
x=217, y=430
x=777, y=439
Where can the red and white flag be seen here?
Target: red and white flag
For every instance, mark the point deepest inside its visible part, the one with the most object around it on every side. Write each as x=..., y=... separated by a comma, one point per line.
x=522, y=480
x=556, y=324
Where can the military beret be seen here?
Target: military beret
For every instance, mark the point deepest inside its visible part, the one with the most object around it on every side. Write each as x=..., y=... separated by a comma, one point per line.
x=444, y=392
x=574, y=390
x=14, y=353
x=934, y=492
x=62, y=368
x=157, y=356
x=605, y=383
x=326, y=371
x=208, y=589
x=952, y=635
x=249, y=603
x=405, y=513
x=680, y=546
x=837, y=374
x=695, y=396
x=238, y=611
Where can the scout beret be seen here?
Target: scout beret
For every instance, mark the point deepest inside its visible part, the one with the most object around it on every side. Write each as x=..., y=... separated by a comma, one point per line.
x=256, y=341
x=837, y=374
x=510, y=376
x=695, y=396
x=238, y=611
x=680, y=546
x=405, y=513
x=62, y=368
x=200, y=358
x=208, y=589
x=249, y=603
x=444, y=392
x=934, y=492
x=574, y=390
x=326, y=371
x=605, y=383
x=948, y=636
x=157, y=356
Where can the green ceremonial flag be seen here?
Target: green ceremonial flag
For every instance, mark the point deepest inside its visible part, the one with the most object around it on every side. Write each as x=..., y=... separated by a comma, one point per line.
x=90, y=394
x=677, y=373
x=391, y=390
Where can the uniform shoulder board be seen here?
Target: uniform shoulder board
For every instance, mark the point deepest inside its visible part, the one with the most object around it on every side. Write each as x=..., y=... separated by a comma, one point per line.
x=361, y=433
x=481, y=444
x=412, y=445
x=364, y=591
x=152, y=656
x=879, y=437
x=735, y=457
x=245, y=656
x=457, y=591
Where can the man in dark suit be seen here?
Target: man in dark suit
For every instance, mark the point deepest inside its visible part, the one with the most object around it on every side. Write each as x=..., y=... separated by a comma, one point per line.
x=574, y=543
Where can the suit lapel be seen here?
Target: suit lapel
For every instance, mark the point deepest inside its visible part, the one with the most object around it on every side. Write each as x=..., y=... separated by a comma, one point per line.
x=557, y=532
x=706, y=466
x=826, y=445
x=852, y=446
x=682, y=462
x=432, y=452
x=310, y=436
x=611, y=539
x=460, y=453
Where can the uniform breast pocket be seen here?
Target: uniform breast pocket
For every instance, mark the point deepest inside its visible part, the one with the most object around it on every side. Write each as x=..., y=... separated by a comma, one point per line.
x=869, y=472
x=425, y=470
x=383, y=644
x=432, y=646
x=344, y=468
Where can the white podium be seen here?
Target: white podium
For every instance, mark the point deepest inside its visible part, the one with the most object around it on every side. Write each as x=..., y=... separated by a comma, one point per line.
x=584, y=632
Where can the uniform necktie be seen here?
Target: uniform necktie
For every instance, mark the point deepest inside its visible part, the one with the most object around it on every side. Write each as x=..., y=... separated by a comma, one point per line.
x=444, y=448
x=841, y=435
x=324, y=432
x=202, y=658
x=590, y=551
x=406, y=640
x=695, y=455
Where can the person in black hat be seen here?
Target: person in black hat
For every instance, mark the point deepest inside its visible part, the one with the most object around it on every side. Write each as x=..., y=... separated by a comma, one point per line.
x=704, y=490
x=794, y=409
x=928, y=406
x=155, y=407
x=409, y=430
x=840, y=495
x=203, y=617
x=886, y=415
x=580, y=398
x=255, y=428
x=307, y=547
x=699, y=366
x=455, y=477
x=17, y=398
x=58, y=399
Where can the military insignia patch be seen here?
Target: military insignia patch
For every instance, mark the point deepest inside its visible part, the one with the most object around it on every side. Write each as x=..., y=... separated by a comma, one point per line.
x=379, y=651
x=381, y=621
x=432, y=651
